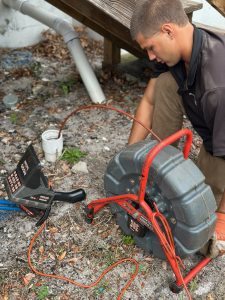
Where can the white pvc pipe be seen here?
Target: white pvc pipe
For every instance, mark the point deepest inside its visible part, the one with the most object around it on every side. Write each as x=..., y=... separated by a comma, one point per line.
x=71, y=39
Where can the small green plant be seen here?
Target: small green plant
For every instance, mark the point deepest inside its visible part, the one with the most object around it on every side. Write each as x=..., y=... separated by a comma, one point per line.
x=66, y=86
x=2, y=278
x=1, y=161
x=181, y=296
x=109, y=258
x=128, y=240
x=13, y=118
x=99, y=289
x=72, y=155
x=36, y=68
x=193, y=285
x=43, y=292
x=142, y=268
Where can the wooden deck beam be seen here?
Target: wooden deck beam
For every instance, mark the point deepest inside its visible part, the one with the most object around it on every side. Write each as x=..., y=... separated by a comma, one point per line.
x=111, y=19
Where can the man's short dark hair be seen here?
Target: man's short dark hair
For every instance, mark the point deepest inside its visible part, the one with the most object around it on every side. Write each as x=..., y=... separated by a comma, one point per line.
x=150, y=15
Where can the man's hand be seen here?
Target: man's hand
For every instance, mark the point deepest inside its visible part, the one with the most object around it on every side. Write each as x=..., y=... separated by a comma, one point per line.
x=216, y=245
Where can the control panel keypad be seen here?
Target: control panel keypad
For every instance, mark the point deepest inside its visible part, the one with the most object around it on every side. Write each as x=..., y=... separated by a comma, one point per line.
x=14, y=181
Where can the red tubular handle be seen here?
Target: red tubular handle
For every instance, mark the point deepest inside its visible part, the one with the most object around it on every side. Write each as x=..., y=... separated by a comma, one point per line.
x=152, y=154
x=196, y=270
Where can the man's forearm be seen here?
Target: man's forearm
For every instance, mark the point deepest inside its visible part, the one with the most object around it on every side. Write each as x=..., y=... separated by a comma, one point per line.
x=144, y=113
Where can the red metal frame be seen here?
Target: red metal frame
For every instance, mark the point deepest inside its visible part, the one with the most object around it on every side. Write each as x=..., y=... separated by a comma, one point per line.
x=149, y=220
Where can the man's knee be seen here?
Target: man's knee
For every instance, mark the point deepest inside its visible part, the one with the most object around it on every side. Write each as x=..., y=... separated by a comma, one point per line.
x=166, y=82
x=166, y=93
x=168, y=107
x=213, y=169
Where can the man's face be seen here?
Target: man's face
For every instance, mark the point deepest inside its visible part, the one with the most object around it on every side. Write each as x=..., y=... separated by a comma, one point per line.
x=160, y=47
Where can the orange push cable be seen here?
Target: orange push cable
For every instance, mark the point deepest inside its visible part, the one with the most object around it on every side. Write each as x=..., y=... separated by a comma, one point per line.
x=30, y=248
x=108, y=107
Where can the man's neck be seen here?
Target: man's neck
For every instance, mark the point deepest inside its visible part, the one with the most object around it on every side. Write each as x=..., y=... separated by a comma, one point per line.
x=186, y=43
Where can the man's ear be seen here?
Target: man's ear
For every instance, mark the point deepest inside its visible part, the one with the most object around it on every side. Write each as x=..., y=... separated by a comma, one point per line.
x=168, y=29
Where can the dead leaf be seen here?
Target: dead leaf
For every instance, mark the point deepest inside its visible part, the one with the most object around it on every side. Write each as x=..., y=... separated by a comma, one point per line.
x=123, y=275
x=5, y=296
x=41, y=250
x=25, y=281
x=2, y=134
x=149, y=259
x=51, y=255
x=105, y=234
x=210, y=297
x=27, y=278
x=62, y=256
x=53, y=230
x=65, y=168
x=53, y=110
x=164, y=265
x=72, y=260
x=39, y=283
x=65, y=296
x=75, y=249
x=6, y=140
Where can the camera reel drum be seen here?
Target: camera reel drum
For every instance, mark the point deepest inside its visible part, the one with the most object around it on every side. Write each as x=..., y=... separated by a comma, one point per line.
x=175, y=185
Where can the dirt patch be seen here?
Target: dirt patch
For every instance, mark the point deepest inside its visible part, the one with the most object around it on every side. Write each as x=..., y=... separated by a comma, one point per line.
x=49, y=88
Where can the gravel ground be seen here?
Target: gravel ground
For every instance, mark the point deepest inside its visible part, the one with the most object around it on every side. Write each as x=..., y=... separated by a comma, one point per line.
x=49, y=88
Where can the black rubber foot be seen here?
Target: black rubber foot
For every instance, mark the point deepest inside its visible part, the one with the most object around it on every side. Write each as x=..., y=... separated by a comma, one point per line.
x=88, y=220
x=176, y=288
x=89, y=215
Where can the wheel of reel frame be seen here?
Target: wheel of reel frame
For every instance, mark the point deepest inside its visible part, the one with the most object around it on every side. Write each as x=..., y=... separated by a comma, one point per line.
x=177, y=187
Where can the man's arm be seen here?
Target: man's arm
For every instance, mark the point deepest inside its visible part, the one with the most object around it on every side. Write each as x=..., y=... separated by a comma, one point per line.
x=144, y=114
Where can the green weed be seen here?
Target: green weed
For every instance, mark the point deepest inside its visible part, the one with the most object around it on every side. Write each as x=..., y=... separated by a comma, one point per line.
x=180, y=296
x=66, y=86
x=43, y=292
x=109, y=258
x=128, y=240
x=2, y=278
x=98, y=290
x=13, y=118
x=193, y=285
x=36, y=68
x=72, y=155
x=141, y=268
x=2, y=162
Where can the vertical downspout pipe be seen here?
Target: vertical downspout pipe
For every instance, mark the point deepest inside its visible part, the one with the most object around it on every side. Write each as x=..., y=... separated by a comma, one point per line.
x=70, y=37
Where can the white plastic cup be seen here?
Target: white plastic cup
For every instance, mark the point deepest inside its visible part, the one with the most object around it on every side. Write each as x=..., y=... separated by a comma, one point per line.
x=10, y=100
x=51, y=144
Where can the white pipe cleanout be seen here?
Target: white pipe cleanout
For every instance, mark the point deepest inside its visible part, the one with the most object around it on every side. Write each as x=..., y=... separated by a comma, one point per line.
x=71, y=39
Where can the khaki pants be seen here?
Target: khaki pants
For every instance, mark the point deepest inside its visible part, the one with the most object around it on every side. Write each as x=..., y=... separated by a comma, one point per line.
x=168, y=118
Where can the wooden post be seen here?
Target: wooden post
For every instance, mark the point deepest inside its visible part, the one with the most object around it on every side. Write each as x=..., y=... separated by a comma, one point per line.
x=111, y=53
